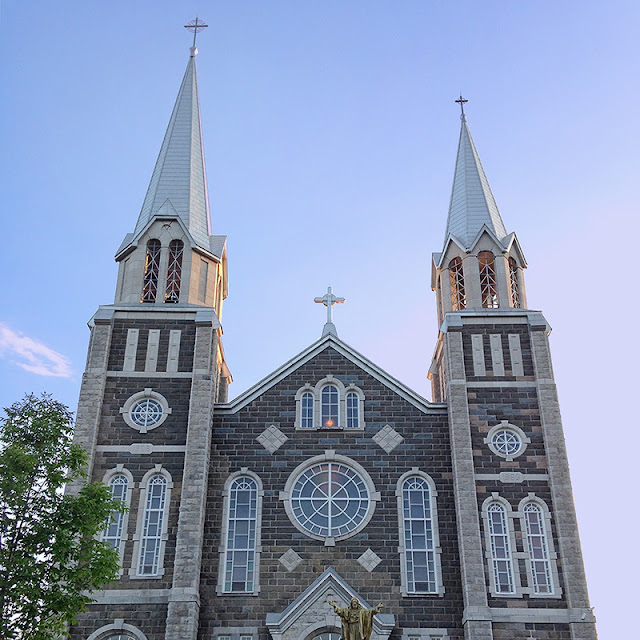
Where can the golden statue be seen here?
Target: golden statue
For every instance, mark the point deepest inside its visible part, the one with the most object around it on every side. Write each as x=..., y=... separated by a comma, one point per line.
x=357, y=622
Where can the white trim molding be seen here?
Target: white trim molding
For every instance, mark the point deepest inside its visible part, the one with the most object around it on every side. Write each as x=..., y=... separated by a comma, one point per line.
x=512, y=428
x=118, y=626
x=424, y=633
x=223, y=548
x=147, y=394
x=137, y=538
x=437, y=550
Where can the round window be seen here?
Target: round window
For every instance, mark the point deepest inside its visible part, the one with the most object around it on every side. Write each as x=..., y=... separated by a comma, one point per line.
x=146, y=413
x=506, y=442
x=330, y=500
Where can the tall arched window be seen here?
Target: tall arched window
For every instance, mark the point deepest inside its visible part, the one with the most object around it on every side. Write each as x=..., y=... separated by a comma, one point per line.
x=306, y=410
x=513, y=283
x=499, y=543
x=538, y=547
x=119, y=488
x=488, y=285
x=329, y=406
x=419, y=535
x=458, y=296
x=151, y=270
x=174, y=271
x=153, y=526
x=239, y=562
x=353, y=410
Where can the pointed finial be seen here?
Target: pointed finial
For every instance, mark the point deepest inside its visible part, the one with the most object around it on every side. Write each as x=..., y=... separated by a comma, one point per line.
x=461, y=101
x=196, y=26
x=328, y=300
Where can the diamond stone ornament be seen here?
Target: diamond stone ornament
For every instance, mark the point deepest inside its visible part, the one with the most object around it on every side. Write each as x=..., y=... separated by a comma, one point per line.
x=388, y=438
x=272, y=438
x=290, y=560
x=369, y=560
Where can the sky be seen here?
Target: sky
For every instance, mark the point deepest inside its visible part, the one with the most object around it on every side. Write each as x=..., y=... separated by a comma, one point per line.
x=330, y=134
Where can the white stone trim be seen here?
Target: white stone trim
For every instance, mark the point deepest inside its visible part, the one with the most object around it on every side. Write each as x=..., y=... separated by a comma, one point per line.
x=133, y=571
x=415, y=472
x=510, y=515
x=424, y=633
x=147, y=393
x=116, y=627
x=233, y=633
x=497, y=354
x=306, y=389
x=131, y=350
x=120, y=470
x=222, y=549
x=508, y=426
x=153, y=344
x=329, y=456
x=173, y=354
x=477, y=353
x=515, y=352
x=553, y=556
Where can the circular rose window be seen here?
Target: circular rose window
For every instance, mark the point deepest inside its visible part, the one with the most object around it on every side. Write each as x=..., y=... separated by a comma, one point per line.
x=330, y=499
x=506, y=442
x=146, y=413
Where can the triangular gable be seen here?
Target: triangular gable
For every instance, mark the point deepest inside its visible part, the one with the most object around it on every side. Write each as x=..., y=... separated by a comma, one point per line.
x=305, y=610
x=325, y=342
x=437, y=261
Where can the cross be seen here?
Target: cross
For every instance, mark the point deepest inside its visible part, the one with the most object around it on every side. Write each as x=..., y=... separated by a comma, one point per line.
x=461, y=101
x=196, y=27
x=328, y=300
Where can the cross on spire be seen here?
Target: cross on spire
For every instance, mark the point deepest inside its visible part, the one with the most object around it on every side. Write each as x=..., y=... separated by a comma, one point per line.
x=196, y=26
x=328, y=300
x=461, y=101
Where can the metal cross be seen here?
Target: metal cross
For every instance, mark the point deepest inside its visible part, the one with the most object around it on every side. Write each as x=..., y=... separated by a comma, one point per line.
x=196, y=26
x=328, y=300
x=461, y=101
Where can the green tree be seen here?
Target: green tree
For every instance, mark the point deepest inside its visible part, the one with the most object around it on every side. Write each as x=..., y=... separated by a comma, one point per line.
x=51, y=557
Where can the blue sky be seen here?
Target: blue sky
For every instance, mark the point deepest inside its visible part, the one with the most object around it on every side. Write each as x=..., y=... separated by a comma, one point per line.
x=330, y=136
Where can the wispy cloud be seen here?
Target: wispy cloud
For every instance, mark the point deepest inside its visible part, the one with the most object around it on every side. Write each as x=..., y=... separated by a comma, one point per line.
x=32, y=355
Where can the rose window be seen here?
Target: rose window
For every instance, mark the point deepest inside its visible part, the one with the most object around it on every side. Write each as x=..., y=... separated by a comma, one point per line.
x=146, y=413
x=506, y=442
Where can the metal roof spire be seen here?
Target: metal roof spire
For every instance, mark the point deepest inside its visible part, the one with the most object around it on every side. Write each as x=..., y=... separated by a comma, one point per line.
x=472, y=203
x=178, y=184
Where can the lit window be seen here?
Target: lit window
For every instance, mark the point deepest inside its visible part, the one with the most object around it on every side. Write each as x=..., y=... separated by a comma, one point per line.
x=152, y=526
x=418, y=534
x=353, y=410
x=488, y=285
x=458, y=297
x=174, y=271
x=538, y=547
x=500, y=549
x=242, y=521
x=306, y=410
x=151, y=270
x=330, y=406
x=513, y=282
x=118, y=486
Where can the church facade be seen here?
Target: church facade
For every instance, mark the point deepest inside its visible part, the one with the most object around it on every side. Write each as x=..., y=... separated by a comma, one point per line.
x=328, y=480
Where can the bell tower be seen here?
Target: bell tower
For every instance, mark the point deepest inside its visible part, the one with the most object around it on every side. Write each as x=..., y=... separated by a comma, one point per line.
x=521, y=563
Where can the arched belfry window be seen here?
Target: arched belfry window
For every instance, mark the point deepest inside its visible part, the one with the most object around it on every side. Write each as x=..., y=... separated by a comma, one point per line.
x=174, y=271
x=513, y=283
x=330, y=406
x=151, y=271
x=458, y=296
x=488, y=285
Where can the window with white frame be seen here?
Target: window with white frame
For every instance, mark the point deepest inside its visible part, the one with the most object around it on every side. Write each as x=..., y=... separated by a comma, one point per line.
x=500, y=545
x=330, y=405
x=118, y=630
x=239, y=563
x=120, y=483
x=419, y=545
x=145, y=410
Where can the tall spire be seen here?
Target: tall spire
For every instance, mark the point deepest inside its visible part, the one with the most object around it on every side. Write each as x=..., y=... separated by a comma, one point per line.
x=472, y=203
x=178, y=184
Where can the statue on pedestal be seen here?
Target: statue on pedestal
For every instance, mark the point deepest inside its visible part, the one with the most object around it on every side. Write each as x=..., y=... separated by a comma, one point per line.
x=357, y=622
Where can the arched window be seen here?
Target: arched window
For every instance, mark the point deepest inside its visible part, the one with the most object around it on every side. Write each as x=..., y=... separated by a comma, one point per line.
x=458, y=296
x=174, y=271
x=499, y=543
x=513, y=282
x=119, y=488
x=330, y=406
x=419, y=533
x=353, y=410
x=306, y=410
x=538, y=547
x=242, y=512
x=153, y=525
x=488, y=285
x=151, y=270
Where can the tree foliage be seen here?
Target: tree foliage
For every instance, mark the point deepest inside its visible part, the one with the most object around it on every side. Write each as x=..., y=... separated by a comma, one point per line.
x=51, y=557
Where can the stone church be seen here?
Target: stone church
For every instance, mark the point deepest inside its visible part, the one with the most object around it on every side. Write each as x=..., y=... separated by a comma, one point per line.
x=329, y=479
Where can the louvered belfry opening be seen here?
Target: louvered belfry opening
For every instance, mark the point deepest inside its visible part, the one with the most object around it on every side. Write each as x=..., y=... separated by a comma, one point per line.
x=151, y=271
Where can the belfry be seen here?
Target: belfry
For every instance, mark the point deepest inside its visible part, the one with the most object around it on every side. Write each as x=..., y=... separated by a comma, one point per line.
x=330, y=481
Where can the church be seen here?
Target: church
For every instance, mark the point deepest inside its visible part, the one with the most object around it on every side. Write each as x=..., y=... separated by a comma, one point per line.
x=264, y=516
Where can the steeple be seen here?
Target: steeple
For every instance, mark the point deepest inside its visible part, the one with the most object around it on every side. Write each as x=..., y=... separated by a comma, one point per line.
x=472, y=203
x=178, y=184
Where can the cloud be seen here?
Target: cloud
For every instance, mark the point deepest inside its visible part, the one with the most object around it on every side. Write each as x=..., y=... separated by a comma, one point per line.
x=36, y=357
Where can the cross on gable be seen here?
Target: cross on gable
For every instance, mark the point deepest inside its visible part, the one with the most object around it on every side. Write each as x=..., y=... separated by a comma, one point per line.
x=328, y=300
